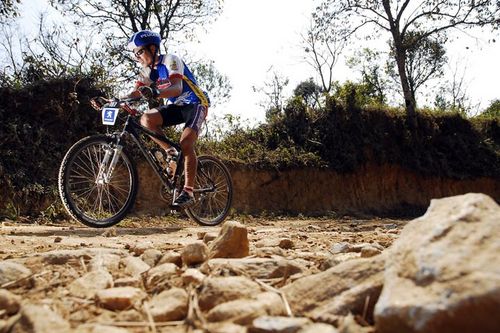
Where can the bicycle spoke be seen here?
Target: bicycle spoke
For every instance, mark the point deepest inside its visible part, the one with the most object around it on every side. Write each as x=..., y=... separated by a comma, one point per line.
x=95, y=198
x=212, y=191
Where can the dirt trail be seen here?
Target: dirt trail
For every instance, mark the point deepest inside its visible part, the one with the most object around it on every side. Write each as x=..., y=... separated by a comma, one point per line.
x=312, y=235
x=310, y=239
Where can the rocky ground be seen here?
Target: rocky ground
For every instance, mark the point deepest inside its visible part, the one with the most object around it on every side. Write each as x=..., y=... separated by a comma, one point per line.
x=257, y=275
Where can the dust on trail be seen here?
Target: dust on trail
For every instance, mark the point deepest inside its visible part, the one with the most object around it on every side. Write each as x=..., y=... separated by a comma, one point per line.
x=312, y=235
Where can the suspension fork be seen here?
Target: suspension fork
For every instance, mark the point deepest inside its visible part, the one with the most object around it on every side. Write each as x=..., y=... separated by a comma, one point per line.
x=111, y=153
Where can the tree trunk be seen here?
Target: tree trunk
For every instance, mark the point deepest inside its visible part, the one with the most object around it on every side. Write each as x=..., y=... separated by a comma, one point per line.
x=400, y=54
x=410, y=102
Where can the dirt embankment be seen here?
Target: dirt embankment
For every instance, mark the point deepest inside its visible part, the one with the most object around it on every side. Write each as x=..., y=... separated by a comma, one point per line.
x=373, y=189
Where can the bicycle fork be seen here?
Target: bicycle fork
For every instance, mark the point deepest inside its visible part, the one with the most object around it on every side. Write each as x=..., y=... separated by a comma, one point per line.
x=106, y=170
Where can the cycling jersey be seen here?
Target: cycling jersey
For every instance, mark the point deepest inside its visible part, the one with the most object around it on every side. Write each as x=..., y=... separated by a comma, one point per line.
x=171, y=66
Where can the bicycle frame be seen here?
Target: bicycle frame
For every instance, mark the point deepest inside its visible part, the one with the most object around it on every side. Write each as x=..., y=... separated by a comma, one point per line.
x=133, y=129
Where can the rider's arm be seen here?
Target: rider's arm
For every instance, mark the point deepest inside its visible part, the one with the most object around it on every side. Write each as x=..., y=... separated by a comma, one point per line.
x=173, y=90
x=135, y=93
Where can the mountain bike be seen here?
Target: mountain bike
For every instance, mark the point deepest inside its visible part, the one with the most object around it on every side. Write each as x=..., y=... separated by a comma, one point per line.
x=98, y=179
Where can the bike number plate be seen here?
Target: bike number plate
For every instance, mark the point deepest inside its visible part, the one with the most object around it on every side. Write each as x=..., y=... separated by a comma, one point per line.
x=109, y=116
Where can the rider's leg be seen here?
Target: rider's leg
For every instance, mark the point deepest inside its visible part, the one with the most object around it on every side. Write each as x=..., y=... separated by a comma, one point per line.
x=153, y=120
x=188, y=139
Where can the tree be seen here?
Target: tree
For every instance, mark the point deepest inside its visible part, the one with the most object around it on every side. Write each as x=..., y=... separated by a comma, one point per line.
x=310, y=93
x=273, y=92
x=175, y=20
x=373, y=76
x=8, y=8
x=401, y=19
x=117, y=20
x=323, y=49
x=452, y=95
x=425, y=59
x=213, y=81
x=493, y=110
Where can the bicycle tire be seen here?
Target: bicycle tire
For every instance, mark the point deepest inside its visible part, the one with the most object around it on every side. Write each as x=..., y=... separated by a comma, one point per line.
x=82, y=194
x=212, y=207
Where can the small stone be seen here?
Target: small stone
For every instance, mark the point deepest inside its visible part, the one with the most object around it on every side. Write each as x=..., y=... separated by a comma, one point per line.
x=111, y=232
x=169, y=305
x=160, y=273
x=9, y=302
x=336, y=259
x=232, y=242
x=128, y=282
x=216, y=290
x=267, y=252
x=192, y=276
x=286, y=244
x=209, y=236
x=141, y=247
x=342, y=247
x=244, y=311
x=171, y=257
x=87, y=285
x=134, y=266
x=277, y=324
x=151, y=257
x=120, y=298
x=11, y=271
x=369, y=251
x=35, y=318
x=194, y=253
x=318, y=328
x=106, y=261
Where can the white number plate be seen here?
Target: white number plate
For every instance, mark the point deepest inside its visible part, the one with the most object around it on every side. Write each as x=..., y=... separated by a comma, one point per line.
x=109, y=116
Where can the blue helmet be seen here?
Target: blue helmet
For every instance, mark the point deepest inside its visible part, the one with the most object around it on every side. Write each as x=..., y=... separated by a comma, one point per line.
x=144, y=38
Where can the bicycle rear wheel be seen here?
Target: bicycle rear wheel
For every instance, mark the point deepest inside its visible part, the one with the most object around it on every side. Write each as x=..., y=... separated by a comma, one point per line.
x=213, y=191
x=96, y=202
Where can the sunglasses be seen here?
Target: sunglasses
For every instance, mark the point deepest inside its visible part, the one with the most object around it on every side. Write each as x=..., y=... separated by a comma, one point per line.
x=140, y=52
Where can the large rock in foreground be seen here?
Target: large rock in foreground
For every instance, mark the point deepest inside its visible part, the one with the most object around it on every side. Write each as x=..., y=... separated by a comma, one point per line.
x=338, y=290
x=443, y=273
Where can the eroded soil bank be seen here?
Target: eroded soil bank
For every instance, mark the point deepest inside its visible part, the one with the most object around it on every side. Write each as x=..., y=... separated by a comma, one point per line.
x=381, y=190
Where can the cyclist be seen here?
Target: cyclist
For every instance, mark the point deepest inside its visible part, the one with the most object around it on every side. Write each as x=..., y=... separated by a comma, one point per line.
x=167, y=76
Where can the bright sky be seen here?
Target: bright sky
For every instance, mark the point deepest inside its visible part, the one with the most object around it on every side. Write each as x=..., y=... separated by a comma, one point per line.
x=250, y=37
x=251, y=40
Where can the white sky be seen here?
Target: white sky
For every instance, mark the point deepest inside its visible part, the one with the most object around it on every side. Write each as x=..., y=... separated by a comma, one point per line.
x=252, y=35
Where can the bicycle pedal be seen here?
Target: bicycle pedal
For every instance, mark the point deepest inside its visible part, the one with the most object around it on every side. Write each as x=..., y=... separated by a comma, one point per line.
x=175, y=208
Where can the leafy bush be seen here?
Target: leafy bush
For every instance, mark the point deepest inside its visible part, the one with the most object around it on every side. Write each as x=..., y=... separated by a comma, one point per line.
x=38, y=123
x=343, y=137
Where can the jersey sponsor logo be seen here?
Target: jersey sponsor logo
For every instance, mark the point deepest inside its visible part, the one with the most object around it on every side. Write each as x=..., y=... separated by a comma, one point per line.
x=164, y=85
x=173, y=65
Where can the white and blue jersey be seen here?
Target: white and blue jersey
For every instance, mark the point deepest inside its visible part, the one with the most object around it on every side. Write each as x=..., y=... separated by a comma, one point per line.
x=171, y=66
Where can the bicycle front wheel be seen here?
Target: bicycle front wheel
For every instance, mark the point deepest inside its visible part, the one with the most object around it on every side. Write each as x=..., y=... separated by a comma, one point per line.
x=213, y=190
x=87, y=195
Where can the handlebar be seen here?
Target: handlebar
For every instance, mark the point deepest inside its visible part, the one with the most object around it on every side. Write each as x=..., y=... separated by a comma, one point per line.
x=118, y=103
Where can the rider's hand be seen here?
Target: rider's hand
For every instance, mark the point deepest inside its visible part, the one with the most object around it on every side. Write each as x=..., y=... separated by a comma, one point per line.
x=148, y=92
x=97, y=102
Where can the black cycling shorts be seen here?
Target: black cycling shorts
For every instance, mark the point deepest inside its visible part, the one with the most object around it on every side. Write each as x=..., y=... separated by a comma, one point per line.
x=193, y=115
